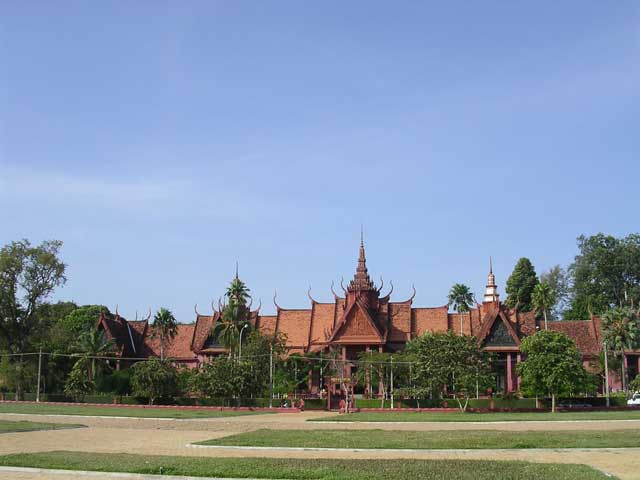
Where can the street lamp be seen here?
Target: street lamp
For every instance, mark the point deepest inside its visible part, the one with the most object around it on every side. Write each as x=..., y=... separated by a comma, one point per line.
x=240, y=346
x=606, y=373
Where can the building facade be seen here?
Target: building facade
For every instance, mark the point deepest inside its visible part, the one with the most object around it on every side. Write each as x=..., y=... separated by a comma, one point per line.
x=362, y=318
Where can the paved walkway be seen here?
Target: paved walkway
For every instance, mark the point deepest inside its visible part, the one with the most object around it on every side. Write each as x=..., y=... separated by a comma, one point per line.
x=172, y=437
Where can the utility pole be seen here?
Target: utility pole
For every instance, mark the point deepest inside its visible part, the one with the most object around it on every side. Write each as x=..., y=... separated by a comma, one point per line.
x=271, y=376
x=39, y=373
x=606, y=372
x=321, y=372
x=391, y=382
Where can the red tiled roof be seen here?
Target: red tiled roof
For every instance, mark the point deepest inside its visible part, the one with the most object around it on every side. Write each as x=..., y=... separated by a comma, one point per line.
x=178, y=347
x=322, y=322
x=295, y=325
x=582, y=332
x=434, y=320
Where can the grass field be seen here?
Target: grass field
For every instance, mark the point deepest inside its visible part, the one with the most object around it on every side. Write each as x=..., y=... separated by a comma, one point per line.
x=89, y=410
x=480, y=417
x=430, y=440
x=299, y=469
x=21, y=426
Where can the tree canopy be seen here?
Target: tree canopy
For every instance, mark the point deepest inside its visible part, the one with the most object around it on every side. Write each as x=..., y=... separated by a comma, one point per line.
x=165, y=327
x=552, y=366
x=558, y=279
x=154, y=379
x=621, y=329
x=461, y=299
x=542, y=300
x=28, y=275
x=452, y=363
x=520, y=286
x=235, y=315
x=605, y=273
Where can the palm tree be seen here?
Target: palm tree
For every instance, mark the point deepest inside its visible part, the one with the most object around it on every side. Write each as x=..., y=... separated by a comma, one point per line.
x=543, y=299
x=165, y=327
x=621, y=331
x=234, y=315
x=93, y=344
x=461, y=298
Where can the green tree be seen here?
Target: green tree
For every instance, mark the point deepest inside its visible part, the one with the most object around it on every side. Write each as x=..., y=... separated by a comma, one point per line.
x=520, y=286
x=79, y=382
x=374, y=371
x=543, y=299
x=451, y=363
x=154, y=379
x=556, y=277
x=255, y=352
x=621, y=332
x=234, y=316
x=94, y=344
x=634, y=386
x=552, y=366
x=28, y=275
x=83, y=319
x=461, y=299
x=597, y=366
x=604, y=274
x=165, y=327
x=224, y=378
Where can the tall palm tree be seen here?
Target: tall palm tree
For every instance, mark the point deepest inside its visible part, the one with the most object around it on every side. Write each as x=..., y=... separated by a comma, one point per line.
x=543, y=300
x=234, y=315
x=165, y=327
x=93, y=344
x=621, y=332
x=461, y=298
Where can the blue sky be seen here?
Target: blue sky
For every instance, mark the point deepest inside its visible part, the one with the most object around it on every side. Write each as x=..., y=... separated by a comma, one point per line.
x=163, y=141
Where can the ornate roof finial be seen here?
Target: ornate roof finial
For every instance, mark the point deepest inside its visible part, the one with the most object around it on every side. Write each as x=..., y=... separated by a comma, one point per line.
x=361, y=280
x=491, y=292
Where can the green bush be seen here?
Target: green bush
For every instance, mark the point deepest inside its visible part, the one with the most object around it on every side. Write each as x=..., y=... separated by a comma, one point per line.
x=118, y=382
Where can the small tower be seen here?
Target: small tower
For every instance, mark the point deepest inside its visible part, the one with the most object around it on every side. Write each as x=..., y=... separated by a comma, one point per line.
x=491, y=292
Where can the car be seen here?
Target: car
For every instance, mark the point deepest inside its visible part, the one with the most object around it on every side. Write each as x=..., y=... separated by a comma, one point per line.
x=635, y=399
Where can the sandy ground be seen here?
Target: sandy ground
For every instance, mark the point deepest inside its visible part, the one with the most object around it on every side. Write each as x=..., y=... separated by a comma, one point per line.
x=172, y=437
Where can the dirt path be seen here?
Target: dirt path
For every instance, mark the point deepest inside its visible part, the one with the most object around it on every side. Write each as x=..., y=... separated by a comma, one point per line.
x=171, y=437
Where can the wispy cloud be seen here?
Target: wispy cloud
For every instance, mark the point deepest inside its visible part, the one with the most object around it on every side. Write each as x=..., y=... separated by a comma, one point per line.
x=158, y=198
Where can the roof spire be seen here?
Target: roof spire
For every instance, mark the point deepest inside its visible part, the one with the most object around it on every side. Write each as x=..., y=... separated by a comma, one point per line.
x=361, y=280
x=491, y=292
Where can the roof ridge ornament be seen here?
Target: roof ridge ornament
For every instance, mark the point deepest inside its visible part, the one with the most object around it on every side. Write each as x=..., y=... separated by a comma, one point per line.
x=275, y=295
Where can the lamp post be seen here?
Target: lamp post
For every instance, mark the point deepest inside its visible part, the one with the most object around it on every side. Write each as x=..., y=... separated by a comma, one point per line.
x=606, y=372
x=240, y=345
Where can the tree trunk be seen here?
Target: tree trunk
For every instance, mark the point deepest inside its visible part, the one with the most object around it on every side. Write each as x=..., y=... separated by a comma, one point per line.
x=546, y=326
x=461, y=322
x=624, y=375
x=161, y=349
x=553, y=403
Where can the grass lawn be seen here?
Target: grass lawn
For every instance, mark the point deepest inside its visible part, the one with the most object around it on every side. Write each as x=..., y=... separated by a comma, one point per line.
x=480, y=417
x=88, y=410
x=430, y=440
x=21, y=426
x=298, y=469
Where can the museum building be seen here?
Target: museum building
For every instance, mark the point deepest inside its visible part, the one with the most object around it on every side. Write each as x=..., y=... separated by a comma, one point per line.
x=362, y=318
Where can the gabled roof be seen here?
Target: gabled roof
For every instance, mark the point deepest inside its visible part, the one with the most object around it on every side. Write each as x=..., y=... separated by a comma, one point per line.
x=347, y=320
x=492, y=315
x=119, y=330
